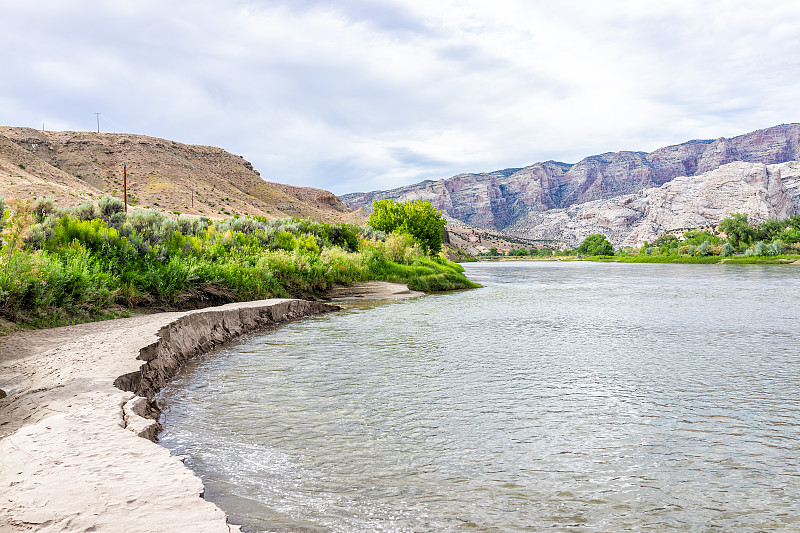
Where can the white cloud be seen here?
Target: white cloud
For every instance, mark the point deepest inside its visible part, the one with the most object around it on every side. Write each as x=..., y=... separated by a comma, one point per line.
x=366, y=94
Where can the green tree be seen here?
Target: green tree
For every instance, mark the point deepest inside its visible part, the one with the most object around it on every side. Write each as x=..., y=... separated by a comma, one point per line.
x=738, y=230
x=769, y=230
x=595, y=244
x=421, y=220
x=666, y=242
x=697, y=238
x=386, y=216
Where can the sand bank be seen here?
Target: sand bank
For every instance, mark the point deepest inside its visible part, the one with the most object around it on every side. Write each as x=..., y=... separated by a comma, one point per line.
x=72, y=456
x=372, y=290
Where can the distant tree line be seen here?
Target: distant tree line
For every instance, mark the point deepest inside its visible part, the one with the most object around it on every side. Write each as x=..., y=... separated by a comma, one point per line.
x=735, y=235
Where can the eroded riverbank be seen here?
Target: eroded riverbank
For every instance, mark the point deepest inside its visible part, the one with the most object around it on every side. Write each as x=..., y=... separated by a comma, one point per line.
x=71, y=453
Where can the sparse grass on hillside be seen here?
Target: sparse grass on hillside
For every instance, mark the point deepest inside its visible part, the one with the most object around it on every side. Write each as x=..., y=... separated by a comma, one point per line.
x=73, y=166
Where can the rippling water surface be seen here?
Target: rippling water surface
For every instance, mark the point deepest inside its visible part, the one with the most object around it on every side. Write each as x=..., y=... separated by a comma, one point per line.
x=561, y=397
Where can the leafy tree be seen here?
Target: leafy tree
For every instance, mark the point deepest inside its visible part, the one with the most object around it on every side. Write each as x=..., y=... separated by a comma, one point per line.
x=595, y=244
x=790, y=235
x=666, y=243
x=769, y=230
x=738, y=230
x=387, y=216
x=421, y=220
x=698, y=237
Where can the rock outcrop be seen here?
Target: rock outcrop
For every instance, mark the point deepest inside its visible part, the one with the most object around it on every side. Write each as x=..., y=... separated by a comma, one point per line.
x=508, y=198
x=684, y=202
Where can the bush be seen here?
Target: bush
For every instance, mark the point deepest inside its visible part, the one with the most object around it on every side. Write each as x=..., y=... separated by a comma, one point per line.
x=775, y=248
x=727, y=250
x=43, y=207
x=86, y=211
x=704, y=249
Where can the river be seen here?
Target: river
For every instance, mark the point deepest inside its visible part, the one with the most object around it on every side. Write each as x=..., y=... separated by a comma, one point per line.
x=563, y=396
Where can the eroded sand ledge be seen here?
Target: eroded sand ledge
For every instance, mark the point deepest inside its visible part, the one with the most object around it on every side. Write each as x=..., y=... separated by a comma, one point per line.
x=71, y=456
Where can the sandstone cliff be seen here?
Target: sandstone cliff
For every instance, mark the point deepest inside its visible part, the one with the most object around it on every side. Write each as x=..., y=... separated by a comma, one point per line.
x=762, y=191
x=76, y=166
x=506, y=198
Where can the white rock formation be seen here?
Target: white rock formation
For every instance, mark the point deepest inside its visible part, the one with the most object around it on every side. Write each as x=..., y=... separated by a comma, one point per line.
x=761, y=191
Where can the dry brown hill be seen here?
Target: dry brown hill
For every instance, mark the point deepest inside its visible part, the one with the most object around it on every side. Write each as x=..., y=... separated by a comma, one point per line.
x=74, y=166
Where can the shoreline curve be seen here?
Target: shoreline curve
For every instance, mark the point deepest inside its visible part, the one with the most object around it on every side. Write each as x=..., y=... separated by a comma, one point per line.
x=79, y=401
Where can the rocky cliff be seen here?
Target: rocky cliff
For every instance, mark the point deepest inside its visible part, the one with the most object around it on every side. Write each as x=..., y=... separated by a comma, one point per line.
x=199, y=180
x=762, y=191
x=514, y=197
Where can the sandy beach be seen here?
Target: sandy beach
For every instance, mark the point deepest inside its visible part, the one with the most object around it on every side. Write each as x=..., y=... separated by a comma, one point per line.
x=72, y=456
x=76, y=450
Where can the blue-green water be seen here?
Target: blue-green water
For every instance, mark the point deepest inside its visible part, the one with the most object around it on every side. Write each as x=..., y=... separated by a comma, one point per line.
x=560, y=397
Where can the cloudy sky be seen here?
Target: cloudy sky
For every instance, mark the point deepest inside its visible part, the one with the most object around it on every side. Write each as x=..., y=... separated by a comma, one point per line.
x=357, y=95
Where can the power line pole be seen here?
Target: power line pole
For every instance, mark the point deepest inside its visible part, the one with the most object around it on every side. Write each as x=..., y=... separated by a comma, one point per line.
x=125, y=185
x=98, y=122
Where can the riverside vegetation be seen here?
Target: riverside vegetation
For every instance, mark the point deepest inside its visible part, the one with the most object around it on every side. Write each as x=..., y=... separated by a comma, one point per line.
x=733, y=240
x=95, y=261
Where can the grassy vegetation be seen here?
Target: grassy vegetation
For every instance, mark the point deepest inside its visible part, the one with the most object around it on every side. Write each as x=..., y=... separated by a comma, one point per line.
x=61, y=266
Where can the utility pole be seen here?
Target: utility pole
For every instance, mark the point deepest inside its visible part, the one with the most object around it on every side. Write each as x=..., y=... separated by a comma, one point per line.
x=98, y=122
x=192, y=198
x=125, y=185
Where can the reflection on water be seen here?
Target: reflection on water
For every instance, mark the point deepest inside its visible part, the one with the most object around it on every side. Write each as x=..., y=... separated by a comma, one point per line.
x=562, y=396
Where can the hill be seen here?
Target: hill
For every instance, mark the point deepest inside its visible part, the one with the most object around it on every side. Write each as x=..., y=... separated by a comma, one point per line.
x=518, y=200
x=76, y=166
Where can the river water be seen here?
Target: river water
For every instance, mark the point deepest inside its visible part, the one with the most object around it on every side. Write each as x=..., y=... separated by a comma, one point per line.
x=563, y=396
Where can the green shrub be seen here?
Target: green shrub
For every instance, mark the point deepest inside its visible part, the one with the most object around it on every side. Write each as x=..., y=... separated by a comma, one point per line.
x=704, y=249
x=43, y=207
x=775, y=248
x=727, y=250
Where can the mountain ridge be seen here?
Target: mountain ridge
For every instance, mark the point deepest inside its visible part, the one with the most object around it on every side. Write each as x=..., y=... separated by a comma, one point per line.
x=497, y=201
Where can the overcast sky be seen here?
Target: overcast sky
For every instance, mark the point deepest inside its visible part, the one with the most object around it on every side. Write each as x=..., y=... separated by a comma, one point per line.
x=357, y=95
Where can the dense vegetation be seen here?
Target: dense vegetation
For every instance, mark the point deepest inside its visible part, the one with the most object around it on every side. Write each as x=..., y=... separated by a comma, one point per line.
x=91, y=261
